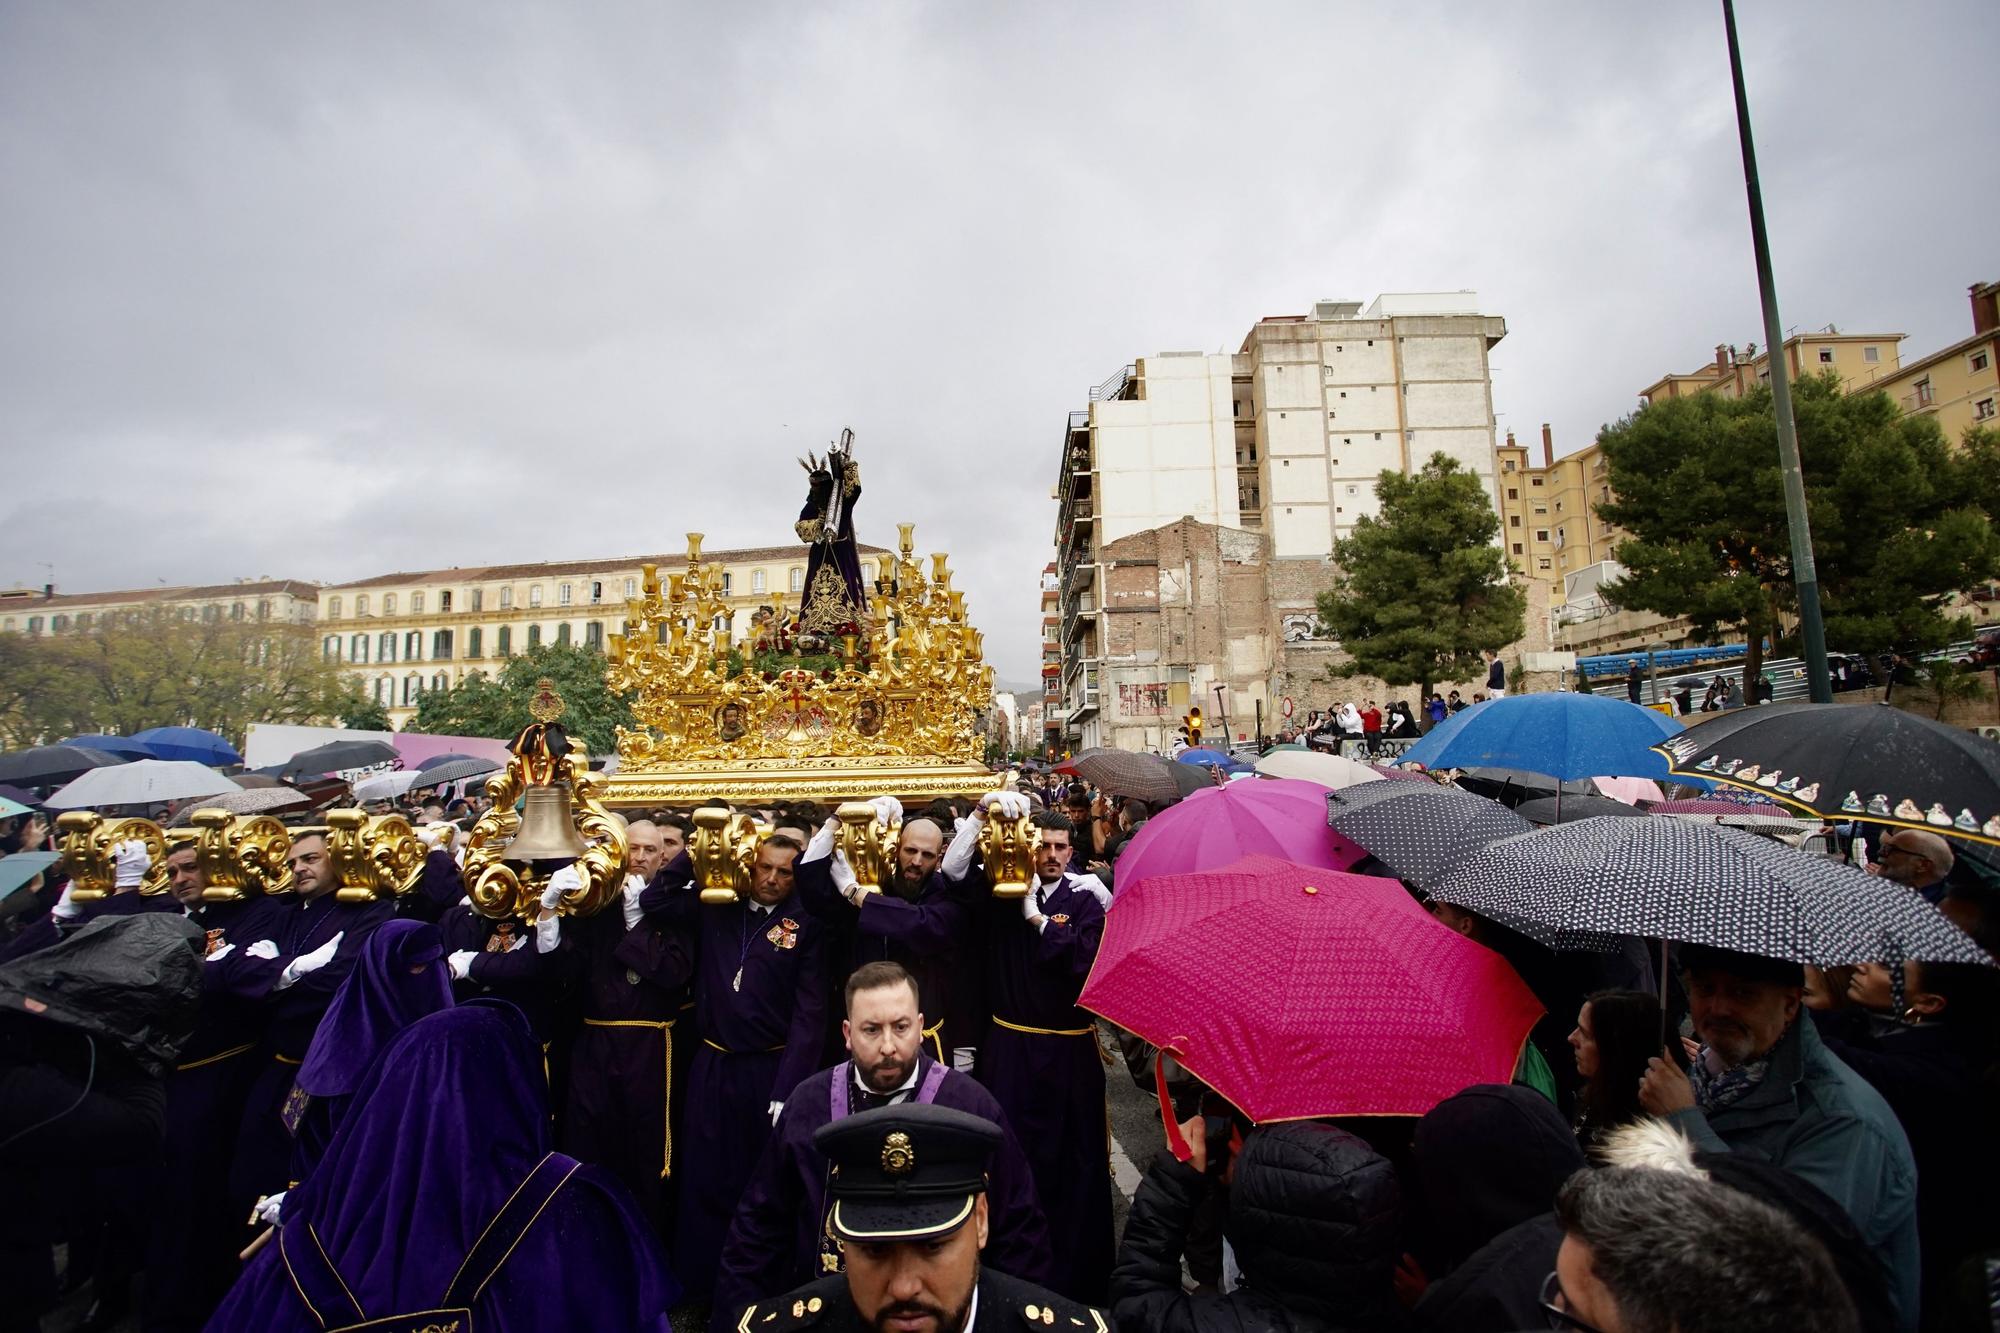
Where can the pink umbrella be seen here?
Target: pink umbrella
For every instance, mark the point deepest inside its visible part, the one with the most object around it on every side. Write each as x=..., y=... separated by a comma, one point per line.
x=1295, y=992
x=1281, y=817
x=1629, y=790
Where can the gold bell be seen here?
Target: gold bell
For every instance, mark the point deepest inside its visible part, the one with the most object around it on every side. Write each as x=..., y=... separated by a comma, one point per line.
x=547, y=833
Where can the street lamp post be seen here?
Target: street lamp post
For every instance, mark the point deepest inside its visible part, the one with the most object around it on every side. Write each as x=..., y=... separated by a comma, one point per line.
x=1805, y=574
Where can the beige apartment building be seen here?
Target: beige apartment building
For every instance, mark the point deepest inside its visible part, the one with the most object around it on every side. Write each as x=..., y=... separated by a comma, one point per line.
x=1957, y=386
x=46, y=611
x=398, y=635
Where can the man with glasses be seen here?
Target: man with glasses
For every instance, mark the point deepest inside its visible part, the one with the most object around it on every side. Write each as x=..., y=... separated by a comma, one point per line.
x=1919, y=860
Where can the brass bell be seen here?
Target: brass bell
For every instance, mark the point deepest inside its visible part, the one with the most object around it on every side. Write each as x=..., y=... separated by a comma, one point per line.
x=547, y=831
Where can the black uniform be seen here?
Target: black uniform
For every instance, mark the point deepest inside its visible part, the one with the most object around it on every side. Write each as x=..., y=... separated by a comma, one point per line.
x=1005, y=1303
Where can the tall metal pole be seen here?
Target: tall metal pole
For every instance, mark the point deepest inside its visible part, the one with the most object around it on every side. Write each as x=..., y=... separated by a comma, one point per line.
x=1805, y=573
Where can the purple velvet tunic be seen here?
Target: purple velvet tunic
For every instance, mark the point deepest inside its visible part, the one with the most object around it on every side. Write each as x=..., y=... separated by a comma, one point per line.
x=443, y=1130
x=1041, y=1061
x=760, y=1002
x=775, y=1240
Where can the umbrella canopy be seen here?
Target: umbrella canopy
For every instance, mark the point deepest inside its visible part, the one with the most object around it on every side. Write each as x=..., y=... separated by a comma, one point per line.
x=21, y=867
x=1712, y=805
x=1852, y=761
x=1205, y=757
x=10, y=807
x=1279, y=817
x=192, y=744
x=1122, y=773
x=1675, y=879
x=334, y=756
x=1511, y=786
x=1544, y=810
x=1401, y=774
x=1629, y=790
x=1295, y=991
x=456, y=769
x=1559, y=733
x=47, y=765
x=143, y=782
x=250, y=801
x=1421, y=833
x=385, y=786
x=1328, y=770
x=19, y=796
x=122, y=746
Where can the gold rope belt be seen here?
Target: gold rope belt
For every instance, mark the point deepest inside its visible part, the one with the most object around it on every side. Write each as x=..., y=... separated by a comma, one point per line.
x=286, y=1059
x=1043, y=1032
x=665, y=1028
x=217, y=1058
x=768, y=1050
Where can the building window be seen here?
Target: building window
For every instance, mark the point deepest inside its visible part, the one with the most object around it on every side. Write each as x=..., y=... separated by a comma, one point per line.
x=384, y=690
x=388, y=603
x=596, y=591
x=83, y=618
x=507, y=598
x=413, y=646
x=35, y=626
x=263, y=610
x=796, y=579
x=1513, y=520
x=1541, y=534
x=361, y=604
x=329, y=647
x=385, y=646
x=1542, y=564
x=1517, y=548
x=534, y=637
x=562, y=594
x=472, y=637
x=1513, y=492
x=756, y=580
x=444, y=602
x=441, y=645
x=562, y=635
x=357, y=648
x=333, y=608
x=1871, y=354
x=631, y=587
x=440, y=681
x=411, y=689
x=416, y=603
x=1978, y=362
x=534, y=594
x=1924, y=398
x=1983, y=410
x=725, y=583
x=503, y=641
x=59, y=624
x=1534, y=481
x=593, y=636
x=1826, y=356
x=478, y=596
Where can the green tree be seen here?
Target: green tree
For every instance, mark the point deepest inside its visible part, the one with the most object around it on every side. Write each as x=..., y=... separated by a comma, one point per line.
x=1897, y=530
x=1422, y=589
x=361, y=713
x=161, y=668
x=481, y=705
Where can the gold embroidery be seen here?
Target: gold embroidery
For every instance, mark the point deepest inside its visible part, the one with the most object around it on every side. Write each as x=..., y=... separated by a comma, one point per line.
x=899, y=1157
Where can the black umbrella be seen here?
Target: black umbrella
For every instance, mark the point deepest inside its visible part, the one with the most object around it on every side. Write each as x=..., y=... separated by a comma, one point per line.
x=1511, y=786
x=1671, y=879
x=1421, y=831
x=1852, y=761
x=52, y=765
x=457, y=768
x=1568, y=809
x=1122, y=773
x=335, y=756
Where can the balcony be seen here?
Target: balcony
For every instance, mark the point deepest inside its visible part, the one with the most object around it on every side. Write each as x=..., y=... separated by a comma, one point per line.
x=1922, y=400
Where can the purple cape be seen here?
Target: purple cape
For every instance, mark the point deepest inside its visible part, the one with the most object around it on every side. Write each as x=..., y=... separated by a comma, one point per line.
x=399, y=978
x=443, y=1129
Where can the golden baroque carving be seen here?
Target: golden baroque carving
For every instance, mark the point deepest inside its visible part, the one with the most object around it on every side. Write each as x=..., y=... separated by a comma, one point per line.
x=87, y=842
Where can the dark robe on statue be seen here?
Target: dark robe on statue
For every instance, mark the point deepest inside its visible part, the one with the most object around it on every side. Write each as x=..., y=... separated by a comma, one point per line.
x=191, y=1239
x=780, y=1239
x=263, y=1147
x=1040, y=1059
x=929, y=935
x=401, y=978
x=833, y=597
x=446, y=1128
x=620, y=1092
x=760, y=1001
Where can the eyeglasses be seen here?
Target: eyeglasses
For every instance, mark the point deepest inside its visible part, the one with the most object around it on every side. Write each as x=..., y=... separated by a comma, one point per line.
x=1553, y=1301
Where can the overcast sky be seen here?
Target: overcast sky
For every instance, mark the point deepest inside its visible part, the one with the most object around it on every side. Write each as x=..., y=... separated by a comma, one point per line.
x=327, y=291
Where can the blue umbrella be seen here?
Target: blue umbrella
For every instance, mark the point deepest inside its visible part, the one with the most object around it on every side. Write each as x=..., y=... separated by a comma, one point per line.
x=188, y=743
x=1207, y=757
x=122, y=746
x=1562, y=734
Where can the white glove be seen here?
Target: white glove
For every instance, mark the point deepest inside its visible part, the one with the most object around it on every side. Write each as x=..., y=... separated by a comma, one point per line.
x=460, y=963
x=66, y=908
x=634, y=886
x=822, y=842
x=957, y=860
x=220, y=954
x=268, y=1207
x=428, y=835
x=310, y=962
x=552, y=896
x=264, y=949
x=888, y=811
x=547, y=935
x=844, y=878
x=777, y=1109
x=130, y=861
x=1005, y=804
x=1029, y=908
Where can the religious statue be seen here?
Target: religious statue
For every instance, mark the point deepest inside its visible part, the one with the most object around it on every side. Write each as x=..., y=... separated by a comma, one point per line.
x=833, y=601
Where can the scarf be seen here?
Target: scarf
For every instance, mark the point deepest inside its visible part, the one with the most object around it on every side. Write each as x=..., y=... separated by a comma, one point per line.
x=1716, y=1088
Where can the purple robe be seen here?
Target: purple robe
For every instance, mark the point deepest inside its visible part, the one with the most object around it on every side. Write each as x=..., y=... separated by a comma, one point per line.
x=775, y=1241
x=530, y=981
x=443, y=1130
x=49, y=931
x=263, y=1147
x=1041, y=1061
x=400, y=978
x=760, y=1001
x=929, y=935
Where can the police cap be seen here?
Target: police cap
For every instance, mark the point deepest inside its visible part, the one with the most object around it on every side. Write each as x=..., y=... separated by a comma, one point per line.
x=905, y=1172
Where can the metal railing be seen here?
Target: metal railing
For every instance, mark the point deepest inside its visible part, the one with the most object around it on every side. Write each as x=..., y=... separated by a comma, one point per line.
x=1113, y=387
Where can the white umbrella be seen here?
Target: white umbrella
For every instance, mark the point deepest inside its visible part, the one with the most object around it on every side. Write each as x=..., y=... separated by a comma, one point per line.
x=387, y=786
x=143, y=782
x=1328, y=770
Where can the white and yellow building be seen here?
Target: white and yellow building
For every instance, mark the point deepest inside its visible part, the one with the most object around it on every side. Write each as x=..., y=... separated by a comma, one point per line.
x=46, y=611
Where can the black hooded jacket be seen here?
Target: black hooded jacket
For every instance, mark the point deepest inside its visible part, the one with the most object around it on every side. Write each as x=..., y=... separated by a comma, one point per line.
x=1485, y=1159
x=1313, y=1218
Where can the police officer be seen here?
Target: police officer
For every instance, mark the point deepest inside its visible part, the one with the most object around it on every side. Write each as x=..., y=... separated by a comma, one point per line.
x=908, y=1184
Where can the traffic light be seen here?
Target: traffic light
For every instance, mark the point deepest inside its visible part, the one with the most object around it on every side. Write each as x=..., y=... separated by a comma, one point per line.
x=1191, y=725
